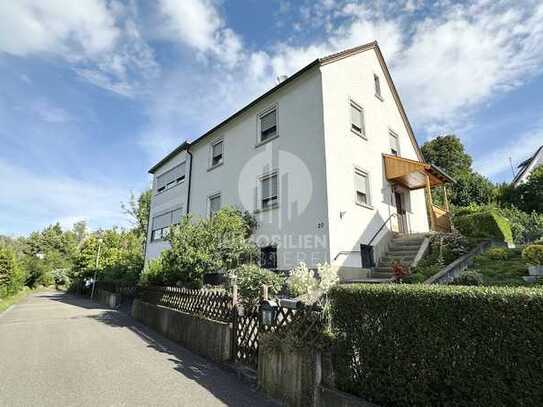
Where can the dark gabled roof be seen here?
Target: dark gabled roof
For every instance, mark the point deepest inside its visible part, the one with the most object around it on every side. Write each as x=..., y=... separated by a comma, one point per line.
x=317, y=62
x=178, y=149
x=525, y=165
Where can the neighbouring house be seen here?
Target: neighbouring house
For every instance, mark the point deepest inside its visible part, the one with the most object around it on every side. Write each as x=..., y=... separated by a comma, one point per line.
x=326, y=161
x=528, y=166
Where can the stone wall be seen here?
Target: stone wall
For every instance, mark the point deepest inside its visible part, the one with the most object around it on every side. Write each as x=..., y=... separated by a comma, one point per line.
x=209, y=338
x=107, y=298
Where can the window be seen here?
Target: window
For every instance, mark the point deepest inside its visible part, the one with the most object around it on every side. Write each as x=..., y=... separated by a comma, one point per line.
x=268, y=257
x=357, y=119
x=394, y=141
x=217, y=153
x=268, y=125
x=270, y=196
x=377, y=87
x=171, y=178
x=362, y=187
x=160, y=227
x=214, y=204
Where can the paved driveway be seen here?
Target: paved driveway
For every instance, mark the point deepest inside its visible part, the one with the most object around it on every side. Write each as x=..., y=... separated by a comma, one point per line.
x=60, y=350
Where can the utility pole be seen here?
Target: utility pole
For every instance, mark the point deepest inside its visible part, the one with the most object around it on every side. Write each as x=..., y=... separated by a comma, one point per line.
x=511, y=164
x=96, y=269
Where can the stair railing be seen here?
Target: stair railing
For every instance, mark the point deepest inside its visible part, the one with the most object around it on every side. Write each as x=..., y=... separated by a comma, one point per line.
x=381, y=228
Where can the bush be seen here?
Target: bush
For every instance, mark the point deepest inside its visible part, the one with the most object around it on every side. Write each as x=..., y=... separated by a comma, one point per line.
x=488, y=224
x=533, y=255
x=311, y=285
x=250, y=278
x=468, y=277
x=12, y=277
x=526, y=227
x=152, y=273
x=401, y=345
x=203, y=246
x=498, y=253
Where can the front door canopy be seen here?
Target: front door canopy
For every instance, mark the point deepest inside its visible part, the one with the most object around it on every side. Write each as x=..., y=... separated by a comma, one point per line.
x=413, y=174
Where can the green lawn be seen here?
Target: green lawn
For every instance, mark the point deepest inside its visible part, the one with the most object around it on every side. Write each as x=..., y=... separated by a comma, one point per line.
x=505, y=271
x=6, y=302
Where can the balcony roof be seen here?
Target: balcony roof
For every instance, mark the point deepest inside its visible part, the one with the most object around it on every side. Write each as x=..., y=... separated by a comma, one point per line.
x=412, y=174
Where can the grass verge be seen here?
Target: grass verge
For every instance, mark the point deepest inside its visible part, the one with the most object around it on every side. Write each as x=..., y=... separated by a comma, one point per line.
x=6, y=302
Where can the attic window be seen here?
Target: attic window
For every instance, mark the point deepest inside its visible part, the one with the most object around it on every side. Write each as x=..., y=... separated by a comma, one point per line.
x=377, y=85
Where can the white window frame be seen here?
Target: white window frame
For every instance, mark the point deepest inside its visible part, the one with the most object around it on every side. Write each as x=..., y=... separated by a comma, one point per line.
x=377, y=87
x=211, y=146
x=362, y=172
x=392, y=133
x=209, y=199
x=173, y=183
x=164, y=231
x=261, y=179
x=259, y=117
x=357, y=106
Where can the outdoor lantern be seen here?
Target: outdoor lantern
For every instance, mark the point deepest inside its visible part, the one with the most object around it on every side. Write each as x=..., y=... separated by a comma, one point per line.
x=269, y=312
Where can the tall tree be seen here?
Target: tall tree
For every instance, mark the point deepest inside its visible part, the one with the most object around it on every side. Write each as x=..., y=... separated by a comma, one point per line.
x=138, y=209
x=529, y=196
x=448, y=153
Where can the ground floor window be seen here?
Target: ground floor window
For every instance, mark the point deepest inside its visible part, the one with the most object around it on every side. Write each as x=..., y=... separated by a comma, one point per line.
x=268, y=257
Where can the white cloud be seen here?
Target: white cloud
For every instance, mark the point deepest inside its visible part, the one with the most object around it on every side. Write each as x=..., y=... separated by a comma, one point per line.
x=519, y=148
x=99, y=38
x=50, y=113
x=198, y=24
x=34, y=198
x=56, y=26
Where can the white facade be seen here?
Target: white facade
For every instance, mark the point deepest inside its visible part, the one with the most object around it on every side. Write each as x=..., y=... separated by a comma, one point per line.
x=318, y=162
x=528, y=166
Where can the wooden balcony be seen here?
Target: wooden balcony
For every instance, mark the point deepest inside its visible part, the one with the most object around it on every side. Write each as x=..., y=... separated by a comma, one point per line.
x=442, y=219
x=413, y=175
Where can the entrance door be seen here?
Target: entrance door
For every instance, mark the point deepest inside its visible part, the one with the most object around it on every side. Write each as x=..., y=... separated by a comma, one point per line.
x=402, y=214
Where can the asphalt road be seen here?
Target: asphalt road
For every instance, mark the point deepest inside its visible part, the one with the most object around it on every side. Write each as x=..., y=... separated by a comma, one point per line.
x=60, y=350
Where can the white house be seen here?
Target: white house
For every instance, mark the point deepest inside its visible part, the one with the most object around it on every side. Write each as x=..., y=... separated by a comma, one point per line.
x=326, y=160
x=528, y=166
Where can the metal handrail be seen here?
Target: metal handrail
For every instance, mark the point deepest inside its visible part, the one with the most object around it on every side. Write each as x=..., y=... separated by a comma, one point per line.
x=345, y=252
x=381, y=228
x=370, y=242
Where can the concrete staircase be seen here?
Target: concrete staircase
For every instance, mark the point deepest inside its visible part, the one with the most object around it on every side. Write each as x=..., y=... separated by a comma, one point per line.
x=402, y=249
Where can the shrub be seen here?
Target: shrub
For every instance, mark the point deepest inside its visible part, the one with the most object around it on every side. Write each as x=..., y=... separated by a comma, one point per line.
x=310, y=285
x=12, y=277
x=207, y=246
x=533, y=255
x=152, y=273
x=526, y=227
x=468, y=277
x=250, y=278
x=401, y=345
x=488, y=224
x=498, y=253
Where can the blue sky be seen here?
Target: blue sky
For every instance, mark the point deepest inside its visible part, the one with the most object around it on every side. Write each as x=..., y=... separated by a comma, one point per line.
x=93, y=92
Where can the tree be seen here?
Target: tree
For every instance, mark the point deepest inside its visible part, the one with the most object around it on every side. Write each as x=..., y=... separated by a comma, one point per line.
x=139, y=209
x=207, y=245
x=12, y=277
x=529, y=196
x=121, y=257
x=447, y=152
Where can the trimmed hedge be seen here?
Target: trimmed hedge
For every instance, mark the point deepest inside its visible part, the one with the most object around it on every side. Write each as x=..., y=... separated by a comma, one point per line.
x=401, y=345
x=486, y=224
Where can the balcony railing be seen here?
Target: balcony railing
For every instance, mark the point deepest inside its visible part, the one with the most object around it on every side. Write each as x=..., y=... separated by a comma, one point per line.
x=442, y=219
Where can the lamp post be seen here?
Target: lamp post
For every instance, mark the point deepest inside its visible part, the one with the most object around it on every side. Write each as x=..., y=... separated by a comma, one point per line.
x=96, y=269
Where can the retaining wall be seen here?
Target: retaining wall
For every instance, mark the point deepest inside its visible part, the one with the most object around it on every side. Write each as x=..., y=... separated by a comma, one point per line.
x=211, y=339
